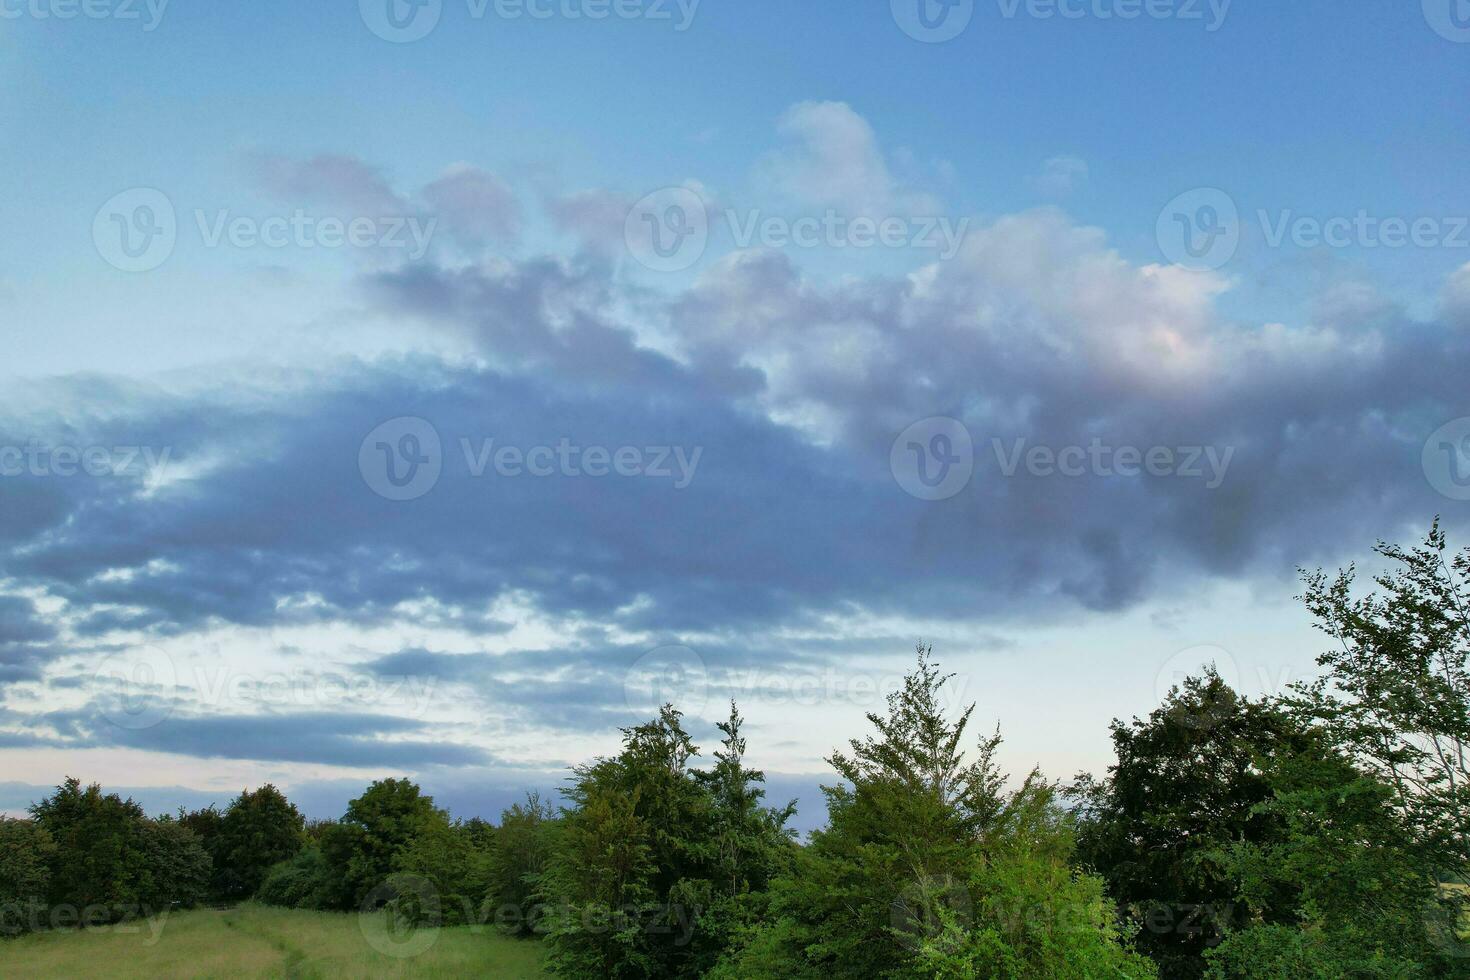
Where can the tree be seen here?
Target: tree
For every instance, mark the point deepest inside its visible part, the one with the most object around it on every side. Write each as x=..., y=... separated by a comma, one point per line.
x=1395, y=693
x=522, y=847
x=26, y=853
x=1364, y=904
x=98, y=846
x=1188, y=784
x=361, y=849
x=111, y=861
x=928, y=868
x=625, y=880
x=174, y=869
x=455, y=860
x=258, y=830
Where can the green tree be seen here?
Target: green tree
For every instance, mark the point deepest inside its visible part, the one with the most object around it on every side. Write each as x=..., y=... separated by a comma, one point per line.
x=258, y=830
x=1363, y=898
x=1395, y=689
x=523, y=844
x=26, y=854
x=98, y=846
x=361, y=849
x=1188, y=784
x=455, y=860
x=625, y=881
x=173, y=868
x=928, y=868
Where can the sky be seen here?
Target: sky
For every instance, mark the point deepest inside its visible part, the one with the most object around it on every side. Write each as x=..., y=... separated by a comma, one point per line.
x=433, y=388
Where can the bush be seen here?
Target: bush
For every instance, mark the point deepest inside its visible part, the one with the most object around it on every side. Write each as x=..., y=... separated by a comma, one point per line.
x=300, y=882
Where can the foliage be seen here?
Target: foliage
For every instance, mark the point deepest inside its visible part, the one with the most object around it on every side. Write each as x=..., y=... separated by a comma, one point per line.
x=522, y=847
x=362, y=848
x=1395, y=693
x=927, y=868
x=26, y=853
x=258, y=830
x=652, y=857
x=454, y=859
x=1188, y=784
x=111, y=861
x=301, y=882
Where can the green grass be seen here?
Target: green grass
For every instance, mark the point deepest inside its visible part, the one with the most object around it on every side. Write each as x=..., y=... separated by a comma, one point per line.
x=257, y=941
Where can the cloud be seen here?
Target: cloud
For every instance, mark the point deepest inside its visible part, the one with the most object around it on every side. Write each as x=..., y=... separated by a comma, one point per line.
x=357, y=740
x=474, y=205
x=832, y=159
x=1059, y=176
x=331, y=179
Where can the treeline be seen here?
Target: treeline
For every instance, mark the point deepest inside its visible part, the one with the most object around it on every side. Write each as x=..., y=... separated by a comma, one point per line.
x=1320, y=834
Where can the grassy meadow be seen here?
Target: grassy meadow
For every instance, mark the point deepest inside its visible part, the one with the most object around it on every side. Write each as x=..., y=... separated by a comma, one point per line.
x=258, y=941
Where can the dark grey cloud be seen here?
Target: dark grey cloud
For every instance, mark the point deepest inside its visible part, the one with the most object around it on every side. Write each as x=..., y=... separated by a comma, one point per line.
x=360, y=740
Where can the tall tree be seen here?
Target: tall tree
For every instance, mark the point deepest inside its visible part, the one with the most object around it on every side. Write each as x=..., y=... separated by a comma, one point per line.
x=928, y=867
x=259, y=829
x=1395, y=689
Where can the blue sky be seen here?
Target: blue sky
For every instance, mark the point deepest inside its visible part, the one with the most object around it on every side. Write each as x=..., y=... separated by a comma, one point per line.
x=1058, y=151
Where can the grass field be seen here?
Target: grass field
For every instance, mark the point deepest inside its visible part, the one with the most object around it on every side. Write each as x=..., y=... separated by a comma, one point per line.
x=256, y=941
